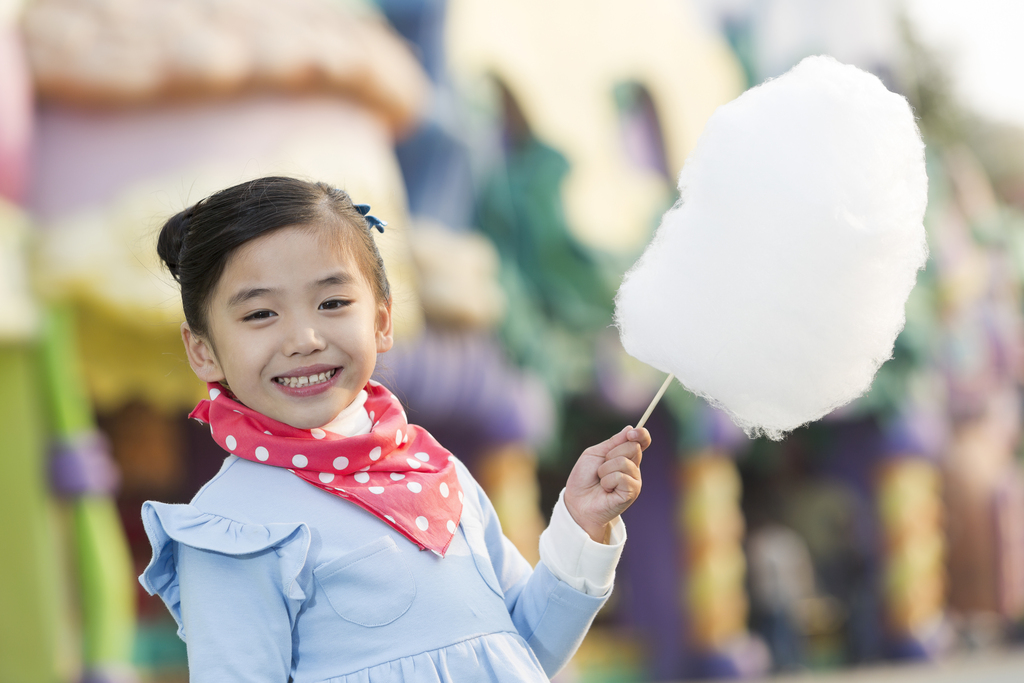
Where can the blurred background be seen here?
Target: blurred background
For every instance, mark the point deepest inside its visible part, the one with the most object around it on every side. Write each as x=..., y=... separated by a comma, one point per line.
x=522, y=152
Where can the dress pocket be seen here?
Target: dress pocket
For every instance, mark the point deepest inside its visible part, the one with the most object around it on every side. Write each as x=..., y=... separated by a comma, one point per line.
x=370, y=586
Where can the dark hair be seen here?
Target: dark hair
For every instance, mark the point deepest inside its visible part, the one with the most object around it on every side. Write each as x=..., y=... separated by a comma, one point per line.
x=195, y=243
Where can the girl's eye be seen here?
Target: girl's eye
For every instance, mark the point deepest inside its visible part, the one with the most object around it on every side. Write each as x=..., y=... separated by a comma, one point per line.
x=333, y=304
x=259, y=315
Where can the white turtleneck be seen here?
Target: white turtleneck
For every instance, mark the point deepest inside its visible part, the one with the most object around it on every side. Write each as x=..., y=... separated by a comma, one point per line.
x=565, y=548
x=353, y=420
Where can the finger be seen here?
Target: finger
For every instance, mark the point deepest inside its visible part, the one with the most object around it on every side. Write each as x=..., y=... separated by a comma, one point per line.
x=622, y=483
x=640, y=436
x=630, y=449
x=624, y=465
x=602, y=449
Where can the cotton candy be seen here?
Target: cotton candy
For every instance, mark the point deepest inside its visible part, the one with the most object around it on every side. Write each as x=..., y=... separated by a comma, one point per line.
x=775, y=287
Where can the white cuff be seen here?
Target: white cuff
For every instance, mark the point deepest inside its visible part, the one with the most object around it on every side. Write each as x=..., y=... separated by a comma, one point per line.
x=575, y=558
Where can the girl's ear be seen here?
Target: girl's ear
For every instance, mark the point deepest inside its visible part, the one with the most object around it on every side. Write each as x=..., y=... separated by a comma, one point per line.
x=385, y=335
x=201, y=356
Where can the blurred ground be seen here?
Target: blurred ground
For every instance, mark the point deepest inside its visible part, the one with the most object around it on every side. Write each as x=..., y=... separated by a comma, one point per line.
x=989, y=667
x=607, y=657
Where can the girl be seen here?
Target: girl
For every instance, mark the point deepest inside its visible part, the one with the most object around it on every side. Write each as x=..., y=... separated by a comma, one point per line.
x=300, y=560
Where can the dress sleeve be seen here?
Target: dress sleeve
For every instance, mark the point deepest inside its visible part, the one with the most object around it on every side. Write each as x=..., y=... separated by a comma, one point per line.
x=234, y=590
x=549, y=614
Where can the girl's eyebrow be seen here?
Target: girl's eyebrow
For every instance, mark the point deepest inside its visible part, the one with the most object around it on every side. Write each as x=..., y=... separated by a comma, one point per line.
x=244, y=295
x=332, y=280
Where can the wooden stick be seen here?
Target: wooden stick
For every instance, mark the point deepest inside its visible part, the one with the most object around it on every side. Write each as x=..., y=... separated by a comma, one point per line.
x=657, y=397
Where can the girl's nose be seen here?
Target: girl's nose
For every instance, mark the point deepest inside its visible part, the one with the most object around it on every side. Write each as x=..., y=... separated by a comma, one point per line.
x=303, y=340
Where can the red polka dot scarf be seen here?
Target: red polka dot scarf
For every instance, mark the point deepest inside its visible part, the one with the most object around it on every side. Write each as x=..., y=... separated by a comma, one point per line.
x=398, y=472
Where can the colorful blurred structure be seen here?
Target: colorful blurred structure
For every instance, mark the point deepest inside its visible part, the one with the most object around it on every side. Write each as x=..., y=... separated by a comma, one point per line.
x=522, y=153
x=67, y=575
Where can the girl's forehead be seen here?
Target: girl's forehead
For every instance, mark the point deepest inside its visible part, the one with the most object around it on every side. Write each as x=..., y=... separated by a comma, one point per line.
x=290, y=256
x=316, y=242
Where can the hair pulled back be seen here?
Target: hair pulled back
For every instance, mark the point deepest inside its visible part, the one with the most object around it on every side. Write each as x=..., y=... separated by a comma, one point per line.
x=195, y=244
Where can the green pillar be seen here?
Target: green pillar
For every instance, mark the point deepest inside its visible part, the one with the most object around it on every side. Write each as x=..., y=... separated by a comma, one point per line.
x=32, y=592
x=105, y=573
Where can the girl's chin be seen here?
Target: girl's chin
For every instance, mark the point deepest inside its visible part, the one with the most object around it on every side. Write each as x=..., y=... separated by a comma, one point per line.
x=312, y=416
x=300, y=423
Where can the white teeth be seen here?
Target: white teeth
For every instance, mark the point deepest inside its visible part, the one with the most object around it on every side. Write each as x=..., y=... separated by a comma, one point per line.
x=294, y=382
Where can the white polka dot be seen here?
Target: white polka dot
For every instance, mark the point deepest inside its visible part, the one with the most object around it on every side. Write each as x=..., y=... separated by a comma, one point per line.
x=415, y=464
x=300, y=461
x=326, y=477
x=362, y=477
x=268, y=433
x=415, y=487
x=452, y=458
x=378, y=490
x=397, y=476
x=214, y=393
x=364, y=469
x=462, y=499
x=405, y=418
x=405, y=439
x=389, y=518
x=374, y=383
x=444, y=489
x=230, y=442
x=372, y=416
x=422, y=456
x=451, y=527
x=239, y=412
x=262, y=454
x=318, y=433
x=398, y=437
x=422, y=523
x=375, y=453
x=341, y=462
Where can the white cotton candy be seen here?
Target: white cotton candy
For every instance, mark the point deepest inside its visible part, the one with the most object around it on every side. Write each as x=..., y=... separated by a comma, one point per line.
x=775, y=287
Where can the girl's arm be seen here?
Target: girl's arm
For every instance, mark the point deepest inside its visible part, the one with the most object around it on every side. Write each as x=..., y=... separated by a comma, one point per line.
x=235, y=616
x=548, y=613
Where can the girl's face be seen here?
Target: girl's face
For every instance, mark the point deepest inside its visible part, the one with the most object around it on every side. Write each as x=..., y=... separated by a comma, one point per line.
x=294, y=328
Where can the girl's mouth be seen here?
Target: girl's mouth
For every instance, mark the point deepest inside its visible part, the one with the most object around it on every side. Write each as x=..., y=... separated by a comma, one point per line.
x=306, y=380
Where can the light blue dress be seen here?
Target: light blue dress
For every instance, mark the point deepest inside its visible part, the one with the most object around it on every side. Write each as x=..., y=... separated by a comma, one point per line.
x=272, y=579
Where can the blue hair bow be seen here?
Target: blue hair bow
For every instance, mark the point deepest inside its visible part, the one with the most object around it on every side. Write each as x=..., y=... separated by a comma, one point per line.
x=372, y=220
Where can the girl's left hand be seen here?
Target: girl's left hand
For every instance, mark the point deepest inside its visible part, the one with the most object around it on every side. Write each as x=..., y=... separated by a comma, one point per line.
x=605, y=481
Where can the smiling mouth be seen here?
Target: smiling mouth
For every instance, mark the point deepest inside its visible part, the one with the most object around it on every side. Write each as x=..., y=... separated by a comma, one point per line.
x=305, y=381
